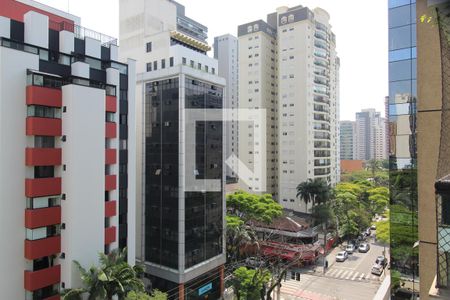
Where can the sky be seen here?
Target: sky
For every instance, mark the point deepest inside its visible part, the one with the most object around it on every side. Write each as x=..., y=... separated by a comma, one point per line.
x=360, y=27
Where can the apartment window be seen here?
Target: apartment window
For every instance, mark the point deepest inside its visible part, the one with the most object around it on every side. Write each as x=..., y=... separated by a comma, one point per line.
x=163, y=63
x=192, y=63
x=206, y=68
x=171, y=61
x=183, y=60
x=199, y=66
x=110, y=117
x=44, y=141
x=149, y=67
x=149, y=47
x=44, y=171
x=213, y=70
x=155, y=65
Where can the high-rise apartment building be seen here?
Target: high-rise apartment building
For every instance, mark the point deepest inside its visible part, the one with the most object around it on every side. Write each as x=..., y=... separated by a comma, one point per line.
x=226, y=53
x=68, y=147
x=370, y=135
x=347, y=139
x=403, y=146
x=288, y=70
x=181, y=230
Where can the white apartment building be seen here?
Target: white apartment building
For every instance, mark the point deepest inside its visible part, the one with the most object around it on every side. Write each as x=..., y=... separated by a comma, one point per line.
x=226, y=53
x=296, y=69
x=69, y=142
x=370, y=135
x=182, y=202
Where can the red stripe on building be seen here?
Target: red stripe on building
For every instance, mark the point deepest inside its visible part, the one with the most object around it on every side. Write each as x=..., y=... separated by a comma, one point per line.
x=110, y=208
x=110, y=156
x=110, y=182
x=111, y=104
x=110, y=235
x=43, y=126
x=43, y=247
x=39, y=279
x=38, y=95
x=41, y=217
x=43, y=156
x=38, y=187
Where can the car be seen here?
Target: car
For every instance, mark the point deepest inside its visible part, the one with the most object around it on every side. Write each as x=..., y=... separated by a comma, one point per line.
x=350, y=248
x=381, y=260
x=364, y=247
x=341, y=256
x=368, y=232
x=254, y=262
x=373, y=227
x=377, y=269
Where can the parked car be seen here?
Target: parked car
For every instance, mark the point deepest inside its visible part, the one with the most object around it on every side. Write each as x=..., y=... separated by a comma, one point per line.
x=368, y=232
x=377, y=269
x=341, y=256
x=254, y=262
x=364, y=247
x=381, y=260
x=350, y=248
x=373, y=227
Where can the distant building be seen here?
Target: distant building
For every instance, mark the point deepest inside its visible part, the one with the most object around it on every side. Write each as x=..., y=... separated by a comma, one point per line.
x=347, y=137
x=226, y=53
x=370, y=135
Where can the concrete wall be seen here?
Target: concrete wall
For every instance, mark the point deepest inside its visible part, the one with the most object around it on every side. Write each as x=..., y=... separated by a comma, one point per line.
x=13, y=112
x=83, y=182
x=429, y=104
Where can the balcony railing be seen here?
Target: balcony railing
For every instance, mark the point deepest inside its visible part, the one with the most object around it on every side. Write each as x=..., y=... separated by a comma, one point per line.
x=82, y=32
x=443, y=231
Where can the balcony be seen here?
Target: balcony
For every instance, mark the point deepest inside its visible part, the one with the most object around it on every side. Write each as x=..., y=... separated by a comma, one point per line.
x=39, y=187
x=41, y=217
x=110, y=235
x=111, y=130
x=110, y=156
x=42, y=156
x=43, y=126
x=37, y=95
x=111, y=104
x=110, y=182
x=43, y=247
x=110, y=209
x=42, y=278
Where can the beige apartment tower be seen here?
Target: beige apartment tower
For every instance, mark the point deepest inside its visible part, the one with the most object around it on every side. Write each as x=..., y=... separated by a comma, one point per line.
x=289, y=70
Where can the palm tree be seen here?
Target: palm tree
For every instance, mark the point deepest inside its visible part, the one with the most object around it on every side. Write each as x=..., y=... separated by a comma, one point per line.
x=113, y=277
x=315, y=191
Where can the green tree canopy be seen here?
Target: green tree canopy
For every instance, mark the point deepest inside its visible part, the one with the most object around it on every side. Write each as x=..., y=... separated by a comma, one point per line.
x=249, y=284
x=248, y=206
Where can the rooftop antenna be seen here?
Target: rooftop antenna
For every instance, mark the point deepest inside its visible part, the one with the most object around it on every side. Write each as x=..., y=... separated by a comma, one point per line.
x=68, y=7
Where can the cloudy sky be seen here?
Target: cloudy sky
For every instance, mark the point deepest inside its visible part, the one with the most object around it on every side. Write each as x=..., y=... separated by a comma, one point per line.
x=360, y=27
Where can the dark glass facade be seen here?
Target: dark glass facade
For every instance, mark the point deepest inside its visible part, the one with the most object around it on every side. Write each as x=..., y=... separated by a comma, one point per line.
x=203, y=211
x=403, y=149
x=161, y=172
x=204, y=220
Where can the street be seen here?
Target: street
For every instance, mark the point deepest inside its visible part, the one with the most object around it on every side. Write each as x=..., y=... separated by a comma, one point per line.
x=348, y=280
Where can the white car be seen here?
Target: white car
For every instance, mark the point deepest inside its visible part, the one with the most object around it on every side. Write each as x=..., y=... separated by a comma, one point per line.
x=341, y=256
x=377, y=269
x=350, y=248
x=364, y=247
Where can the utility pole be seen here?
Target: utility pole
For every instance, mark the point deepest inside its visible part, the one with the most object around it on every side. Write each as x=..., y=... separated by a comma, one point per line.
x=324, y=247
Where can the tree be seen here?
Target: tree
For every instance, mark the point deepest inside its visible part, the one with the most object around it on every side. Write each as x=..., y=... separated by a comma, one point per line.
x=315, y=191
x=238, y=235
x=383, y=232
x=248, y=207
x=249, y=284
x=373, y=165
x=113, y=276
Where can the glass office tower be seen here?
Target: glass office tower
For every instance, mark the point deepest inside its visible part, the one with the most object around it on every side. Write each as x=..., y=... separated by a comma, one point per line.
x=403, y=149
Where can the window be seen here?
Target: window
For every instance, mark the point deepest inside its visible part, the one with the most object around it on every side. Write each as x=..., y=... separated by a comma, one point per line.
x=155, y=65
x=43, y=111
x=44, y=141
x=171, y=61
x=44, y=172
x=184, y=60
x=199, y=66
x=206, y=68
x=110, y=117
x=192, y=63
x=213, y=70
x=149, y=47
x=149, y=67
x=163, y=63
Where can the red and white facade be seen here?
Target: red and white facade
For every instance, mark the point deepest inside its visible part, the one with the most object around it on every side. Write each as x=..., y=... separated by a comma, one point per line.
x=66, y=152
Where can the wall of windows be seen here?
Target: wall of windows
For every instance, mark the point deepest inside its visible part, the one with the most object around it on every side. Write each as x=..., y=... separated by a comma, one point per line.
x=403, y=150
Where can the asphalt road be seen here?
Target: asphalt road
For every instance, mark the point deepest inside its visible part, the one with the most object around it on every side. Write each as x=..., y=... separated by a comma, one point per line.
x=349, y=280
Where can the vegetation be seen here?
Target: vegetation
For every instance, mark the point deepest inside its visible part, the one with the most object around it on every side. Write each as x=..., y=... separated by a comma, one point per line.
x=248, y=207
x=156, y=295
x=315, y=191
x=113, y=277
x=249, y=284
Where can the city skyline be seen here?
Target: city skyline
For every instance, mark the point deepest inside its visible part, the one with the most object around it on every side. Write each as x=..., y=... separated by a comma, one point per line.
x=372, y=38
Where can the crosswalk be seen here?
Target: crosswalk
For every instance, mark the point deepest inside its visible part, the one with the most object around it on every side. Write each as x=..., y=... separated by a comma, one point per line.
x=350, y=275
x=291, y=289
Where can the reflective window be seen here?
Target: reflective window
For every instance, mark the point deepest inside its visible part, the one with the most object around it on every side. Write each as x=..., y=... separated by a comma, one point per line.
x=401, y=109
x=397, y=3
x=400, y=16
x=401, y=37
x=402, y=54
x=402, y=70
